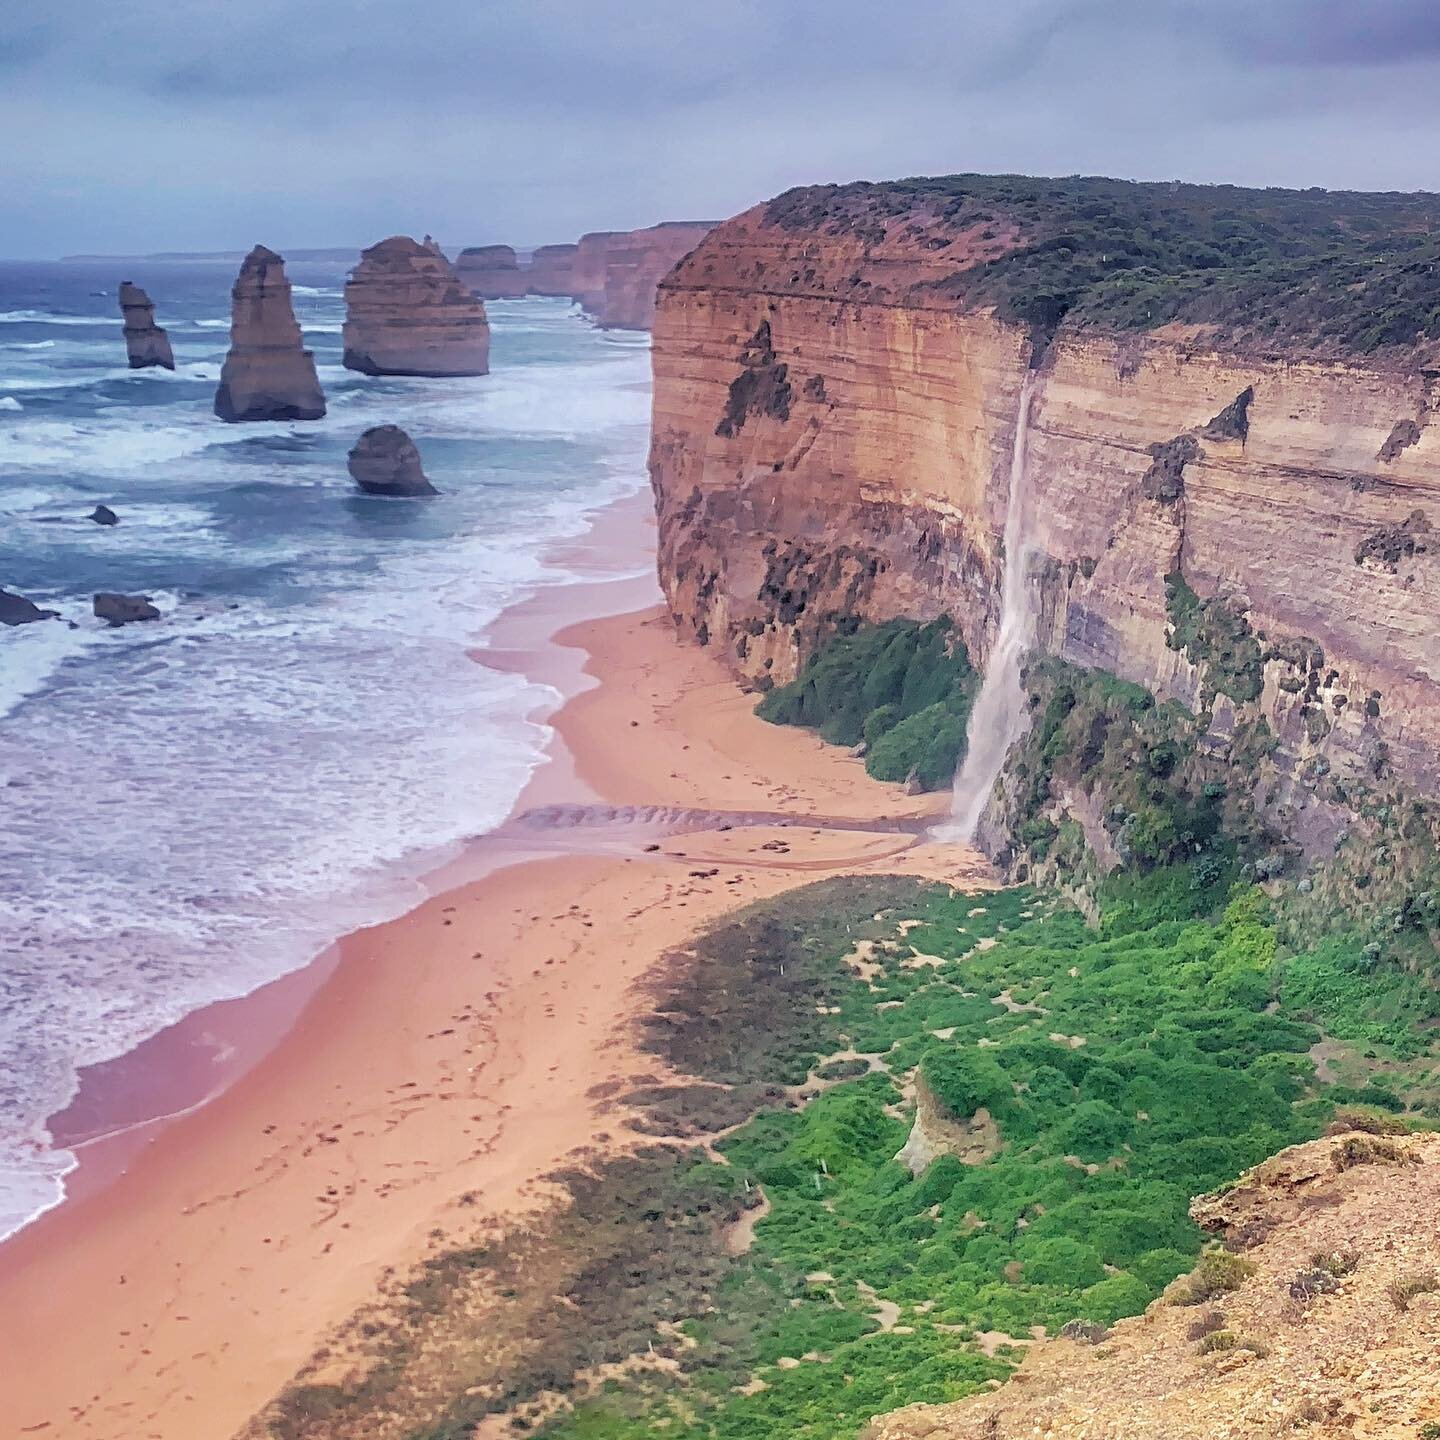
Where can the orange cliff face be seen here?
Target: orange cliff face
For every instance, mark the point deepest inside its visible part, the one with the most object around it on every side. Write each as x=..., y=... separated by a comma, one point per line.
x=616, y=272
x=833, y=433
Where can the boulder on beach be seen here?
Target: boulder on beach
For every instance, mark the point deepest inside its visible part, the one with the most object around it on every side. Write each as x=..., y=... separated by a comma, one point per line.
x=268, y=374
x=407, y=313
x=385, y=461
x=103, y=515
x=146, y=344
x=17, y=610
x=122, y=609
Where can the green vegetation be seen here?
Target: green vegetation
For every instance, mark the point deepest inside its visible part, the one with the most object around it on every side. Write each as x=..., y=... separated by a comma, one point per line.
x=1341, y=271
x=903, y=689
x=1216, y=634
x=1128, y=1068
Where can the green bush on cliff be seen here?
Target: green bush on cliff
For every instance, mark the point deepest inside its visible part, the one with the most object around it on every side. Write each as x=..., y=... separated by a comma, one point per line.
x=1339, y=270
x=902, y=689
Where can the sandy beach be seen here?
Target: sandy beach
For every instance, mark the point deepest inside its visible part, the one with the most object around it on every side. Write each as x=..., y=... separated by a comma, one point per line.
x=429, y=1071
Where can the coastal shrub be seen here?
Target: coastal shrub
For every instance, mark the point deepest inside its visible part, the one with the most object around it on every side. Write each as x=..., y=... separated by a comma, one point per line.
x=1311, y=269
x=902, y=689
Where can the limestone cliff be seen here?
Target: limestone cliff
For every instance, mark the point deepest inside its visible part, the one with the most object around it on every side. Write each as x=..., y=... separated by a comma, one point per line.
x=146, y=344
x=551, y=270
x=268, y=374
x=837, y=377
x=1326, y=1323
x=407, y=313
x=616, y=272
x=491, y=271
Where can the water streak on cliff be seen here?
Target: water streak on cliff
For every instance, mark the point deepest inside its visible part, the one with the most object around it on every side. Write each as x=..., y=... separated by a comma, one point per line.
x=999, y=714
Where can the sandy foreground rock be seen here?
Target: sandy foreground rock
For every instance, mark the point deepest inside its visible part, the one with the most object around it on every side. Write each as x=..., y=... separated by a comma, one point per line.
x=407, y=313
x=1303, y=1351
x=268, y=374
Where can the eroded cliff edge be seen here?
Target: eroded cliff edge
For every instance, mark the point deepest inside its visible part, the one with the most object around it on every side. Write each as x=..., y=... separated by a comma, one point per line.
x=1232, y=508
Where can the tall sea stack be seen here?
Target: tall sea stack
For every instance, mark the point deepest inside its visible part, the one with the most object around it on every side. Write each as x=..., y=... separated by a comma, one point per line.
x=268, y=374
x=552, y=270
x=146, y=343
x=406, y=313
x=491, y=271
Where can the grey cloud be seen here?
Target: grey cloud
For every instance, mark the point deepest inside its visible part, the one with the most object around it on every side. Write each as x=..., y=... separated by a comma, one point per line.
x=175, y=126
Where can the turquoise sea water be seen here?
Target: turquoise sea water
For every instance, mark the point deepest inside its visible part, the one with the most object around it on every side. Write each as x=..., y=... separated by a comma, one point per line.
x=194, y=806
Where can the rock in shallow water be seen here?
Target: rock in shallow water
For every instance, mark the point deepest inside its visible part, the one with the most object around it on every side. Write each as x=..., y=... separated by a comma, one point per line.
x=17, y=610
x=103, y=515
x=122, y=609
x=268, y=374
x=385, y=461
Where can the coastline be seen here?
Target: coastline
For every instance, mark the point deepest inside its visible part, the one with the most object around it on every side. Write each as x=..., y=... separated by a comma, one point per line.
x=454, y=1052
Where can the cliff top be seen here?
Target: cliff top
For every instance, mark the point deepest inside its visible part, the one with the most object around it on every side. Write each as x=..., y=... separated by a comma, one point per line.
x=1339, y=271
x=1322, y=1314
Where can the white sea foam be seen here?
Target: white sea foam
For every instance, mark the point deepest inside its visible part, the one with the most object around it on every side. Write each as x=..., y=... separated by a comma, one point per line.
x=45, y=317
x=238, y=808
x=29, y=345
x=9, y=402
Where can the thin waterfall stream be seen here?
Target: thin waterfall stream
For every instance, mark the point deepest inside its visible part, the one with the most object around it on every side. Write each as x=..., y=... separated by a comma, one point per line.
x=999, y=717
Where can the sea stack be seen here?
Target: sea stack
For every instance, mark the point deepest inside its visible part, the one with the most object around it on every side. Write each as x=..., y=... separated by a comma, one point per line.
x=406, y=313
x=385, y=461
x=617, y=272
x=145, y=342
x=551, y=271
x=268, y=374
x=491, y=271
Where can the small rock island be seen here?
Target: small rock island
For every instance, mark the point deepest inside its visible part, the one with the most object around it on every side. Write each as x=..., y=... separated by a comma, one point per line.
x=384, y=461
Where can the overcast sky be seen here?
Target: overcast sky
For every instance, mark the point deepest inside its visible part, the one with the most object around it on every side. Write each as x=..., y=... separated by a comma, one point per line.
x=137, y=125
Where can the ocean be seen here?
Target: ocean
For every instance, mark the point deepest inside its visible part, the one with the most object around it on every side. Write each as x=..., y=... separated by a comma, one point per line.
x=195, y=806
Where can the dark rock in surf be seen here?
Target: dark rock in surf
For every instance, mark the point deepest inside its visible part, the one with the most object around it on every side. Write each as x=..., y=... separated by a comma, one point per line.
x=386, y=462
x=17, y=610
x=122, y=609
x=103, y=515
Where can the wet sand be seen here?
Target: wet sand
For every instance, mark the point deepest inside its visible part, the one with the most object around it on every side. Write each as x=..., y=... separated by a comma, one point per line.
x=432, y=1069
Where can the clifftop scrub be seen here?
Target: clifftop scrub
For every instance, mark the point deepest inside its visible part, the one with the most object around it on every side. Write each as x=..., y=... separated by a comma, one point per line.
x=1338, y=271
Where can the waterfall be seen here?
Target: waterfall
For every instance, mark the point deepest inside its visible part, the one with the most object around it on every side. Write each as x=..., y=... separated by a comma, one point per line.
x=998, y=717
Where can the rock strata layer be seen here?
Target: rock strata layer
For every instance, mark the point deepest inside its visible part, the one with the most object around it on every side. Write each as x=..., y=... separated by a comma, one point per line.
x=407, y=313
x=146, y=344
x=268, y=374
x=384, y=461
x=832, y=442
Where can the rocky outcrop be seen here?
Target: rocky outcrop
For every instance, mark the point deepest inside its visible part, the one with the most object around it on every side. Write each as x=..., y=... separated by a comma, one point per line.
x=268, y=374
x=384, y=461
x=146, y=344
x=834, y=424
x=17, y=610
x=123, y=609
x=491, y=272
x=407, y=313
x=1327, y=1323
x=103, y=515
x=616, y=272
x=551, y=271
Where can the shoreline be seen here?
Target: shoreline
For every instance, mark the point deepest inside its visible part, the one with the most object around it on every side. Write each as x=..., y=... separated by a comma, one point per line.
x=393, y=1089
